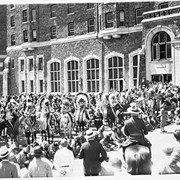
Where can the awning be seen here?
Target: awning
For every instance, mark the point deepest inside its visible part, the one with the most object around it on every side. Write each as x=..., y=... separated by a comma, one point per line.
x=142, y=51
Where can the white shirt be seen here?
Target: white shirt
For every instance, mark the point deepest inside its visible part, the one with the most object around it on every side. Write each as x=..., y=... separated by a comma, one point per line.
x=64, y=158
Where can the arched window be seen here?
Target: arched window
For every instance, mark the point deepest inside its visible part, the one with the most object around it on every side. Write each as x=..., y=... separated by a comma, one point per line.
x=73, y=79
x=55, y=76
x=115, y=73
x=92, y=75
x=161, y=46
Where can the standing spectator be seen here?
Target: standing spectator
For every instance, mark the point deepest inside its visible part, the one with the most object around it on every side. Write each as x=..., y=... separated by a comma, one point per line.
x=64, y=160
x=163, y=117
x=38, y=167
x=7, y=169
x=93, y=154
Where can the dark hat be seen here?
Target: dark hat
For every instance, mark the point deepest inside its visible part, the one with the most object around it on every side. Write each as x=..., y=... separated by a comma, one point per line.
x=37, y=151
x=4, y=152
x=177, y=134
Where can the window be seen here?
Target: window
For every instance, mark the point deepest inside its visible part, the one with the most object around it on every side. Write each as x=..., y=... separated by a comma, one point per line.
x=90, y=5
x=135, y=70
x=70, y=8
x=109, y=19
x=55, y=77
x=33, y=15
x=90, y=25
x=40, y=64
x=71, y=29
x=139, y=15
x=25, y=16
x=73, y=78
x=12, y=6
x=25, y=36
x=163, y=5
x=100, y=20
x=40, y=86
x=161, y=46
x=31, y=86
x=93, y=75
x=22, y=86
x=52, y=11
x=12, y=21
x=22, y=64
x=31, y=64
x=12, y=63
x=53, y=32
x=13, y=42
x=115, y=73
x=121, y=18
x=34, y=35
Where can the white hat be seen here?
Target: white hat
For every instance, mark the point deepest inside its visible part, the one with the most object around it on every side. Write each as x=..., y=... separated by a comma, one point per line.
x=4, y=152
x=90, y=135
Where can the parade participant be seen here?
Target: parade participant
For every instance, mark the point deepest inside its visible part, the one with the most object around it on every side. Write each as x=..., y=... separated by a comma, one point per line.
x=134, y=129
x=7, y=169
x=38, y=167
x=98, y=119
x=163, y=117
x=81, y=114
x=64, y=160
x=93, y=154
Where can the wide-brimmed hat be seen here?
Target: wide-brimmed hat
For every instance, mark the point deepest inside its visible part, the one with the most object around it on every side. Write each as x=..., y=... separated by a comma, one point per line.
x=90, y=135
x=37, y=151
x=4, y=152
x=134, y=110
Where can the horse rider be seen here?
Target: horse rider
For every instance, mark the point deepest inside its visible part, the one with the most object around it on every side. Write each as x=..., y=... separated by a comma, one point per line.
x=135, y=129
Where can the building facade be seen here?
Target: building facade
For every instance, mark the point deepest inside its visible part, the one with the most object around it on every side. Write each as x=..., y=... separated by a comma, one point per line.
x=90, y=47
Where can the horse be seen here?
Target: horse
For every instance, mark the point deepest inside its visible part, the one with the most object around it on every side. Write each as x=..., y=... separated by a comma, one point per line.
x=66, y=125
x=138, y=160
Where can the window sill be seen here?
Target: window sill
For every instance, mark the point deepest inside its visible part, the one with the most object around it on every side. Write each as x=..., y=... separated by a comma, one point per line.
x=25, y=22
x=52, y=18
x=13, y=27
x=70, y=13
x=33, y=21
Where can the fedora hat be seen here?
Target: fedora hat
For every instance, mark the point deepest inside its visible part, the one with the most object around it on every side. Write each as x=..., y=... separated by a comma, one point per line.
x=134, y=110
x=4, y=152
x=90, y=135
x=37, y=151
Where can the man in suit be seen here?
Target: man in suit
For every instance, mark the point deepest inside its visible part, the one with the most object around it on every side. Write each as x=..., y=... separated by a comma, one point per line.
x=92, y=153
x=7, y=169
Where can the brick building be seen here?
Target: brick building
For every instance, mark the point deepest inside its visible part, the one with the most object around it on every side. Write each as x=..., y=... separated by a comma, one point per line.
x=90, y=47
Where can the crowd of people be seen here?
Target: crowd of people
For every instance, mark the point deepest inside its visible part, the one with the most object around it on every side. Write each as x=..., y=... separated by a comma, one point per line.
x=118, y=120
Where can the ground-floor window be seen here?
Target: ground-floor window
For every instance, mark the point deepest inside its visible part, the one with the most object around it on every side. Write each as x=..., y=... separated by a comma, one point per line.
x=162, y=78
x=22, y=86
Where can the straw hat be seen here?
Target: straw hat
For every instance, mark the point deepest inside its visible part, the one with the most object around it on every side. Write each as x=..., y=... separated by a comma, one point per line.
x=90, y=135
x=4, y=152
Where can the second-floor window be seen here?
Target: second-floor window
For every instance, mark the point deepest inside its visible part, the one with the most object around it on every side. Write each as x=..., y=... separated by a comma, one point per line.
x=70, y=8
x=33, y=15
x=34, y=35
x=12, y=63
x=40, y=64
x=53, y=32
x=109, y=19
x=22, y=65
x=52, y=11
x=71, y=29
x=139, y=15
x=25, y=36
x=121, y=18
x=24, y=16
x=91, y=25
x=90, y=5
x=31, y=64
x=163, y=5
x=13, y=42
x=12, y=21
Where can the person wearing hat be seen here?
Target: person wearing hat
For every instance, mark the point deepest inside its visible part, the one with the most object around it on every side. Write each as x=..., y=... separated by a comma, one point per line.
x=64, y=160
x=93, y=154
x=135, y=129
x=39, y=167
x=7, y=169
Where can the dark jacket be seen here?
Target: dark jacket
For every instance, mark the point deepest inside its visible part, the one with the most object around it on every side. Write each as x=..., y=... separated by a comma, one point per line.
x=92, y=154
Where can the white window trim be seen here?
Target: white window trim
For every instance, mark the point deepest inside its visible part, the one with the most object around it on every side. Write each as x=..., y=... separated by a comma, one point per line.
x=22, y=74
x=85, y=59
x=48, y=75
x=131, y=55
x=148, y=41
x=40, y=74
x=110, y=55
x=65, y=71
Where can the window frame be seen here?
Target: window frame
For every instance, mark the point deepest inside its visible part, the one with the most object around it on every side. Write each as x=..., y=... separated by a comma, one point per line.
x=23, y=86
x=70, y=8
x=109, y=23
x=53, y=32
x=12, y=21
x=24, y=16
x=71, y=30
x=22, y=65
x=13, y=40
x=91, y=26
x=34, y=36
x=31, y=86
x=12, y=63
x=31, y=64
x=42, y=64
x=163, y=4
x=53, y=11
x=25, y=35
x=33, y=15
x=137, y=16
x=90, y=6
x=41, y=88
x=121, y=20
